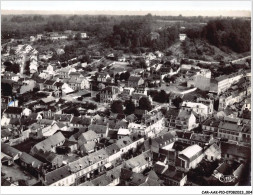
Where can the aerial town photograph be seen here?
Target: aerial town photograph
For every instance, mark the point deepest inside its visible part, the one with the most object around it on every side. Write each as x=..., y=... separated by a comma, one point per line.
x=105, y=97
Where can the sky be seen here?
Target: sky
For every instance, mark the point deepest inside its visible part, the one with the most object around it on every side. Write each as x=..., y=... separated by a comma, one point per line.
x=125, y=5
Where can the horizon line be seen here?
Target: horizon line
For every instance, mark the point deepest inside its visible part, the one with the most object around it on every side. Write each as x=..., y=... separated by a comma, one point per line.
x=189, y=12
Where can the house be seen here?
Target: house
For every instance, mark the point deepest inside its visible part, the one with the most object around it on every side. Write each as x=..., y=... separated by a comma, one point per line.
x=5, y=134
x=27, y=86
x=213, y=152
x=190, y=157
x=184, y=136
x=100, y=130
x=201, y=109
x=130, y=178
x=234, y=129
x=70, y=146
x=31, y=164
x=10, y=76
x=88, y=147
x=174, y=177
x=113, y=152
x=60, y=51
x=64, y=118
x=49, y=144
x=13, y=112
x=75, y=83
x=182, y=37
x=50, y=158
x=159, y=54
x=80, y=122
x=83, y=35
x=135, y=81
x=152, y=180
x=203, y=79
x=75, y=75
x=108, y=94
x=137, y=128
x=210, y=126
x=224, y=82
x=89, y=136
x=11, y=152
x=201, y=139
x=162, y=141
x=64, y=72
x=124, y=144
x=185, y=120
x=232, y=152
x=154, y=36
x=102, y=77
x=138, y=164
x=7, y=101
x=123, y=132
x=110, y=178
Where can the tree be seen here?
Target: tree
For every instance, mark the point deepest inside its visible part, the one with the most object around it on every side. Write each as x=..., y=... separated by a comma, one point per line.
x=15, y=68
x=117, y=107
x=177, y=101
x=143, y=64
x=130, y=107
x=78, y=36
x=124, y=76
x=100, y=66
x=6, y=89
x=64, y=65
x=161, y=97
x=73, y=111
x=145, y=104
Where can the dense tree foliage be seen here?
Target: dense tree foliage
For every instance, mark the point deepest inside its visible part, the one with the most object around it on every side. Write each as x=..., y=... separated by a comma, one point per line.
x=129, y=107
x=232, y=33
x=137, y=33
x=6, y=89
x=12, y=67
x=177, y=101
x=117, y=107
x=73, y=111
x=161, y=96
x=145, y=104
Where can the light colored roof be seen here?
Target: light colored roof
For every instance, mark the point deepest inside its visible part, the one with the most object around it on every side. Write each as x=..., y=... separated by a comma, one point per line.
x=88, y=136
x=137, y=161
x=123, y=142
x=89, y=146
x=46, y=144
x=123, y=131
x=190, y=151
x=10, y=151
x=100, y=129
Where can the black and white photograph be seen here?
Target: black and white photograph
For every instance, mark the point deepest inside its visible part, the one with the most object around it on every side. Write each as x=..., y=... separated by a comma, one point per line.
x=142, y=96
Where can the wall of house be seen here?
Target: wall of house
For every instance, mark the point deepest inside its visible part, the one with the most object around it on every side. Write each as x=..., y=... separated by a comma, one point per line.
x=191, y=122
x=183, y=181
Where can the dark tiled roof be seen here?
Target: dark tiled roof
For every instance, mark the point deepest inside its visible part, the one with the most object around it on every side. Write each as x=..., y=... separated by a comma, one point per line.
x=111, y=149
x=235, y=150
x=10, y=151
x=13, y=110
x=88, y=136
x=134, y=78
x=46, y=144
x=184, y=135
x=28, y=159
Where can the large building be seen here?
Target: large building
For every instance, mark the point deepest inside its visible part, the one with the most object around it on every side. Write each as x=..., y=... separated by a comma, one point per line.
x=203, y=79
x=224, y=82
